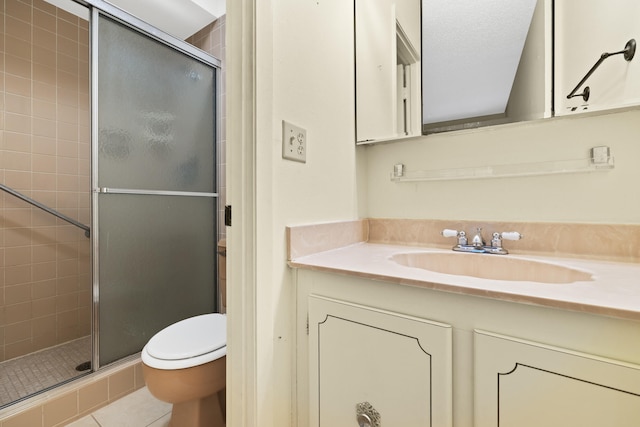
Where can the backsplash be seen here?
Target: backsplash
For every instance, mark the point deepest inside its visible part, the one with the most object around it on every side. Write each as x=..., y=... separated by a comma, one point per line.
x=574, y=240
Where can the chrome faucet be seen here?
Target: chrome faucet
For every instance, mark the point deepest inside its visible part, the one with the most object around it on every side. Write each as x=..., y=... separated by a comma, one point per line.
x=478, y=244
x=478, y=241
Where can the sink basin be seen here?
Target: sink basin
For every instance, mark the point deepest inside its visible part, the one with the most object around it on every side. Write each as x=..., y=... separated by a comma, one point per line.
x=493, y=267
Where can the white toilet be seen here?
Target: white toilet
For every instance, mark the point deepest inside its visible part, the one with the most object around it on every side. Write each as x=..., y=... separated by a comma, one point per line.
x=185, y=364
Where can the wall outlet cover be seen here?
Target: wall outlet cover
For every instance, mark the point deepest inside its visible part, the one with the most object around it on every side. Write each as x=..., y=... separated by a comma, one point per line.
x=294, y=142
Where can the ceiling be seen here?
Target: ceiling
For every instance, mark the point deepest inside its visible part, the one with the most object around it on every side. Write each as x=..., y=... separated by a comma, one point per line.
x=180, y=18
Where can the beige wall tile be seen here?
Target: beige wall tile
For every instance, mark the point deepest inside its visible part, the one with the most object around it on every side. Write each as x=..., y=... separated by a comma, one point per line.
x=64, y=15
x=44, y=312
x=17, y=294
x=16, y=332
x=68, y=183
x=17, y=349
x=17, y=85
x=18, y=47
x=17, y=66
x=94, y=395
x=17, y=161
x=18, y=180
x=44, y=6
x=44, y=68
x=31, y=418
x=67, y=303
x=68, y=114
x=44, y=181
x=15, y=27
x=44, y=163
x=17, y=256
x=43, y=253
x=60, y=409
x=17, y=123
x=47, y=198
x=44, y=145
x=121, y=383
x=66, y=165
x=68, y=30
x=17, y=142
x=45, y=289
x=138, y=376
x=44, y=127
x=44, y=235
x=44, y=110
x=17, y=274
x=17, y=218
x=41, y=218
x=47, y=340
x=44, y=21
x=44, y=325
x=17, y=104
x=68, y=132
x=44, y=91
x=44, y=271
x=67, y=320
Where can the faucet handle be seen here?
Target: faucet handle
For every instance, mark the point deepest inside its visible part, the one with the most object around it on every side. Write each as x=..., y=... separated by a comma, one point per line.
x=449, y=233
x=461, y=235
x=511, y=235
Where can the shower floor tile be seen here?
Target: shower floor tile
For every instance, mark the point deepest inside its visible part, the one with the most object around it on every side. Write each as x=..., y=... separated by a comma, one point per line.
x=38, y=371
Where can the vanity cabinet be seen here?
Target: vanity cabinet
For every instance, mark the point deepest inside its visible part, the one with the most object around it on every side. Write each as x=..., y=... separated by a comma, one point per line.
x=527, y=384
x=361, y=340
x=377, y=368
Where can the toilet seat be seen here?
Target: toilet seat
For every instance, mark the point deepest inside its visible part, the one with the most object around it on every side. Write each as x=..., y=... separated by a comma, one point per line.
x=188, y=343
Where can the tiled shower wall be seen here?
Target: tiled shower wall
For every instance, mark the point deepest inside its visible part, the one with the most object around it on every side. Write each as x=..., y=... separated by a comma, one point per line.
x=45, y=278
x=211, y=39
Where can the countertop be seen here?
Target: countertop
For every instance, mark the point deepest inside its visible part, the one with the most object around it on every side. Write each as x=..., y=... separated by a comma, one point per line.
x=613, y=291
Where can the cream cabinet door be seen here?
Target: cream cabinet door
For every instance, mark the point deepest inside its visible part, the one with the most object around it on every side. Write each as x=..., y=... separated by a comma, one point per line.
x=386, y=368
x=524, y=384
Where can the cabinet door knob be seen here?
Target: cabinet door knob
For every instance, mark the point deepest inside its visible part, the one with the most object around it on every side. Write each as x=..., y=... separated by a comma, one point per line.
x=364, y=420
x=366, y=415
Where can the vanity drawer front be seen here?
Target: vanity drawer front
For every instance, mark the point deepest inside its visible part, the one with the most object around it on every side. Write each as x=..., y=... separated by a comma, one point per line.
x=382, y=364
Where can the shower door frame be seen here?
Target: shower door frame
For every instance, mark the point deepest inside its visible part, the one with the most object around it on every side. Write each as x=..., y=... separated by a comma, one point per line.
x=97, y=8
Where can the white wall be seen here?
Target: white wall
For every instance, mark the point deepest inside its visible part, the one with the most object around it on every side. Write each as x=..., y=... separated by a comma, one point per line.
x=603, y=197
x=305, y=75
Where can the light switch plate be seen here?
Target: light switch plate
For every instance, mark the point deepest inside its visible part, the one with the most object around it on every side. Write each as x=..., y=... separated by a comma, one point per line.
x=294, y=142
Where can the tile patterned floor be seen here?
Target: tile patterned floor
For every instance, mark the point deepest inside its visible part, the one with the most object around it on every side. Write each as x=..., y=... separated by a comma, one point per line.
x=138, y=409
x=35, y=372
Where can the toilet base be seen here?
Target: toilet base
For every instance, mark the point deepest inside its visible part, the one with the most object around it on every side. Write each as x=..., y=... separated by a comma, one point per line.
x=206, y=412
x=197, y=393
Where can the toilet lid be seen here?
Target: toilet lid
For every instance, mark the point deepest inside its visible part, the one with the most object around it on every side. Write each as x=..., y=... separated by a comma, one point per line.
x=189, y=338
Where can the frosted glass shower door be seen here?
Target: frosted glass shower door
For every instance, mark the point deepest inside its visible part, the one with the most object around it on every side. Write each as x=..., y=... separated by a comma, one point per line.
x=156, y=188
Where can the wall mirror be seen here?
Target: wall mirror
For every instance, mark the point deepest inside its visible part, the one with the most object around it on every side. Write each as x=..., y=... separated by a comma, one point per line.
x=429, y=66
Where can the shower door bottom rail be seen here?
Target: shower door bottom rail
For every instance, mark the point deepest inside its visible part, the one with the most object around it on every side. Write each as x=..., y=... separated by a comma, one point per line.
x=87, y=230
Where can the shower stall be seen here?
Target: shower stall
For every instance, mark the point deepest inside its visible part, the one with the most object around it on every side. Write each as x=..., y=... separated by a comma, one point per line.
x=108, y=195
